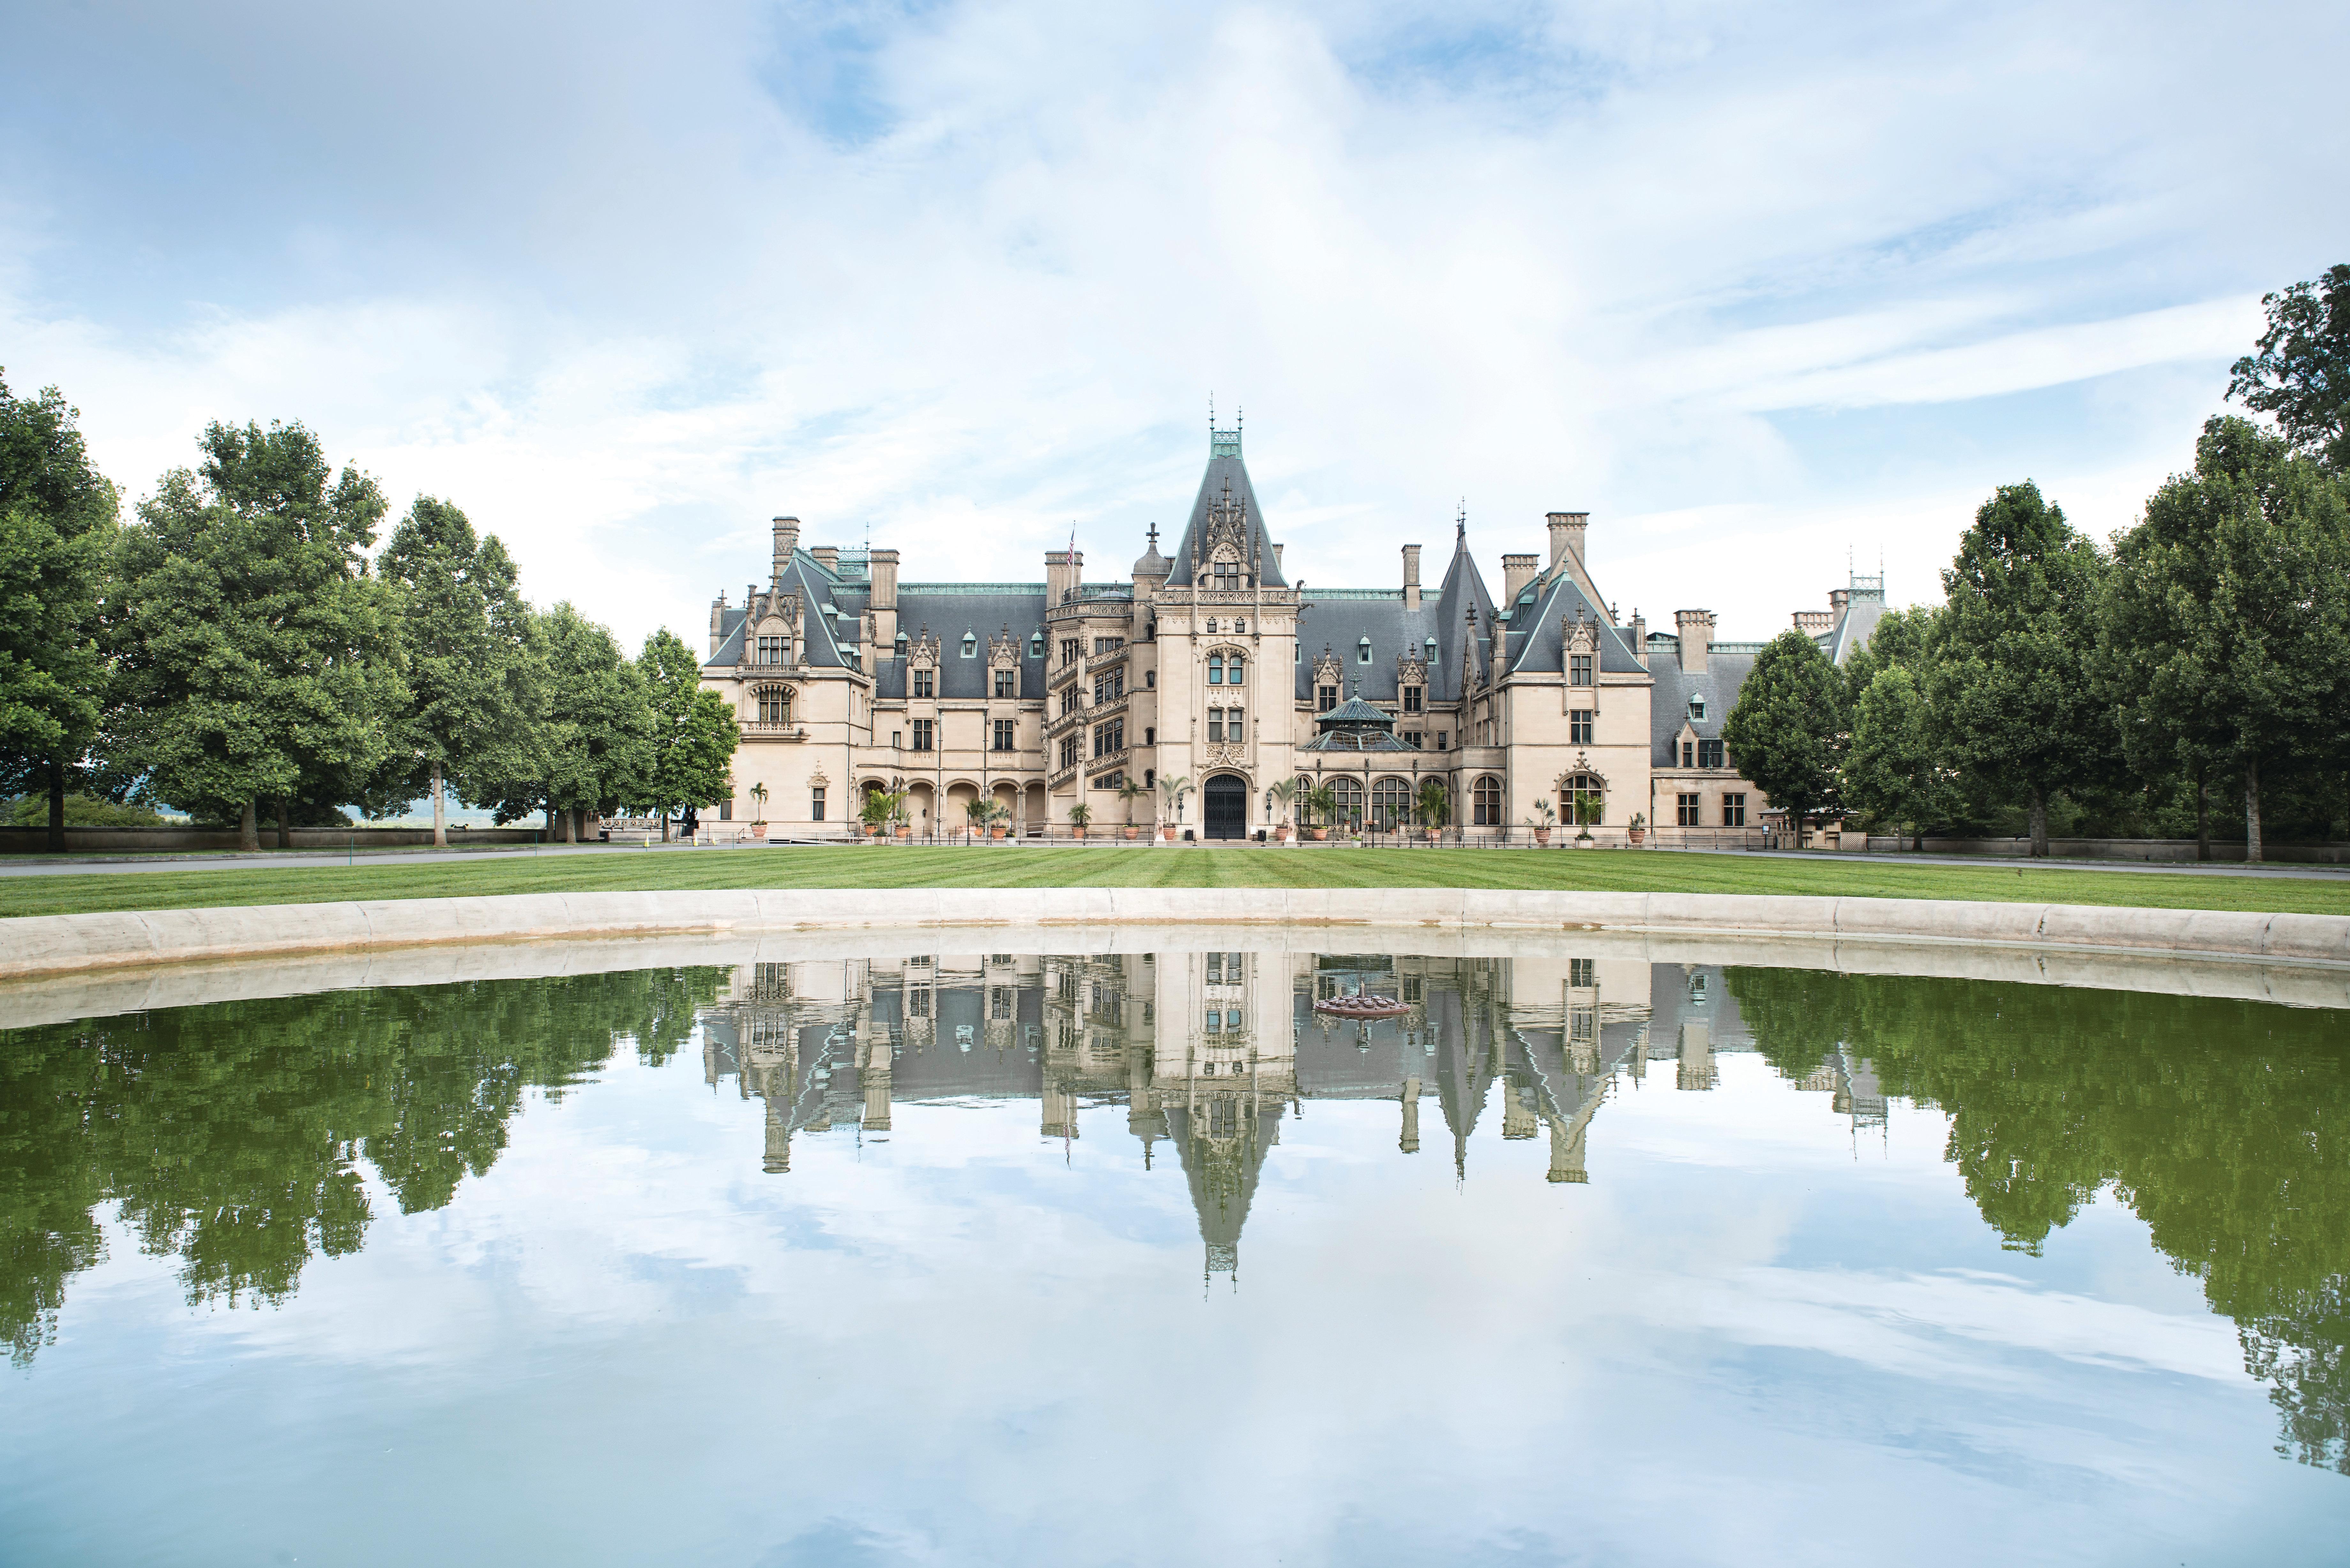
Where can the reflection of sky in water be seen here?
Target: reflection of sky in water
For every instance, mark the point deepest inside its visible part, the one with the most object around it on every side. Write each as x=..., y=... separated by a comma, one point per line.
x=1768, y=1326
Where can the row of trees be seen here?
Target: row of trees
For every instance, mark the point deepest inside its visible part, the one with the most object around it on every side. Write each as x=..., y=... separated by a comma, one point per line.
x=2205, y=654
x=234, y=651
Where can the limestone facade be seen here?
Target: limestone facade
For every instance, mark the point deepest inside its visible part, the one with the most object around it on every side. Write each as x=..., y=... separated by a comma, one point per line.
x=1211, y=667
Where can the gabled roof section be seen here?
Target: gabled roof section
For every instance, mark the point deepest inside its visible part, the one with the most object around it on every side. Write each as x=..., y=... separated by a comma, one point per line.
x=1225, y=493
x=1536, y=628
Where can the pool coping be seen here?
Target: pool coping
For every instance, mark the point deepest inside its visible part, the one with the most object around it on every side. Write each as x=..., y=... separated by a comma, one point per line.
x=50, y=945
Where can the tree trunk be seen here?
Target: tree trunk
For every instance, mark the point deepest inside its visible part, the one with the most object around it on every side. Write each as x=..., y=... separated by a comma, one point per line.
x=2251, y=814
x=285, y=822
x=56, y=805
x=2038, y=822
x=440, y=814
x=579, y=825
x=1916, y=838
x=2203, y=819
x=248, y=827
x=664, y=811
x=561, y=816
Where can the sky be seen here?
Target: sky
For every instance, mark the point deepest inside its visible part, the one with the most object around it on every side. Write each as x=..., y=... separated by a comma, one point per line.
x=1765, y=290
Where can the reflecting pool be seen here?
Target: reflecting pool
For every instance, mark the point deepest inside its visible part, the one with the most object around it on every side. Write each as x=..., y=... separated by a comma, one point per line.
x=1244, y=1255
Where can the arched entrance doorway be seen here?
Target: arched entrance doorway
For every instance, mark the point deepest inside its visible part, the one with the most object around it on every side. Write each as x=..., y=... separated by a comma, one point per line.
x=1223, y=805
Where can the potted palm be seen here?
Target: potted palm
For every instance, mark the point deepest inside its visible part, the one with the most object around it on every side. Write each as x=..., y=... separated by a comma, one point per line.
x=758, y=811
x=976, y=813
x=1321, y=805
x=1433, y=807
x=1543, y=820
x=1174, y=789
x=1638, y=829
x=1129, y=792
x=1587, y=812
x=901, y=820
x=1080, y=815
x=874, y=814
x=999, y=819
x=1283, y=793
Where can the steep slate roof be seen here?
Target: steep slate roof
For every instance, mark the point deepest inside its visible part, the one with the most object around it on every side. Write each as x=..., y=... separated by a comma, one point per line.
x=1718, y=684
x=1226, y=469
x=950, y=611
x=1536, y=628
x=1340, y=621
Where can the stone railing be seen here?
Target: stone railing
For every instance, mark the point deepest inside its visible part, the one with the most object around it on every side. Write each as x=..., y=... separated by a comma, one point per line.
x=755, y=730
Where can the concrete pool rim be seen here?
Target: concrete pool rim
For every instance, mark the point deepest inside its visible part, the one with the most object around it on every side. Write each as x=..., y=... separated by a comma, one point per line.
x=52, y=945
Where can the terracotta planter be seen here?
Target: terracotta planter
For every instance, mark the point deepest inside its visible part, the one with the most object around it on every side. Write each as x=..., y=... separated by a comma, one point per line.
x=998, y=830
x=1320, y=834
x=1079, y=831
x=1635, y=835
x=1168, y=833
x=905, y=829
x=758, y=830
x=1542, y=837
x=1131, y=830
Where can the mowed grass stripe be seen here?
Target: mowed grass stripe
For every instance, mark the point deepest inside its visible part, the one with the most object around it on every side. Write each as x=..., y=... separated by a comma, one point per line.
x=1139, y=866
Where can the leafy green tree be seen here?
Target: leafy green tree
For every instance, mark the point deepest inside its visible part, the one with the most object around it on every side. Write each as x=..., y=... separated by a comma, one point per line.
x=1902, y=637
x=1788, y=731
x=257, y=656
x=2301, y=376
x=2226, y=629
x=1894, y=771
x=596, y=740
x=693, y=732
x=57, y=529
x=472, y=662
x=2009, y=677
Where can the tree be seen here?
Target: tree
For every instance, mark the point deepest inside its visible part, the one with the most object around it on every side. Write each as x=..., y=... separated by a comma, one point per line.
x=596, y=740
x=256, y=658
x=1894, y=769
x=693, y=734
x=2009, y=675
x=2301, y=376
x=472, y=674
x=57, y=522
x=1900, y=637
x=2226, y=629
x=1787, y=731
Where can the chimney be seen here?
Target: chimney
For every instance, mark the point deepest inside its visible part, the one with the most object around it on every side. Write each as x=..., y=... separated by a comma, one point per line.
x=1410, y=576
x=1517, y=571
x=883, y=601
x=1566, y=532
x=1276, y=558
x=1695, y=629
x=827, y=556
x=1837, y=599
x=787, y=540
x=1640, y=636
x=717, y=622
x=1063, y=570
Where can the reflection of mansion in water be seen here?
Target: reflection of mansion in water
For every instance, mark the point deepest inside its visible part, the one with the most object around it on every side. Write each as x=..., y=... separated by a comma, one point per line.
x=1207, y=1050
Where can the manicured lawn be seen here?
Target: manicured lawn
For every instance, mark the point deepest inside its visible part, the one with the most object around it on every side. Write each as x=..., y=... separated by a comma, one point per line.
x=623, y=870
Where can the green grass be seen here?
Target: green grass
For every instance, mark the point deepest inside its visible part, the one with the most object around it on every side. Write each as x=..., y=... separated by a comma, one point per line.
x=623, y=870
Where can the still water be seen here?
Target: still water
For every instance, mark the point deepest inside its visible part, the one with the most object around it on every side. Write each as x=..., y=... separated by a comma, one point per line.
x=1150, y=1257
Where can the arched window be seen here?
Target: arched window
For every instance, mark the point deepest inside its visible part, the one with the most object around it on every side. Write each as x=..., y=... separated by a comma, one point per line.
x=1215, y=670
x=775, y=704
x=1233, y=670
x=1485, y=803
x=1582, y=797
x=1390, y=805
x=1349, y=793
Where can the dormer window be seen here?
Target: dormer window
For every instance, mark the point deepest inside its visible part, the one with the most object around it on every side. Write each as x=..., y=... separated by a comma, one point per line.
x=1696, y=709
x=1035, y=643
x=1578, y=669
x=1432, y=650
x=901, y=645
x=771, y=650
x=1363, y=652
x=970, y=645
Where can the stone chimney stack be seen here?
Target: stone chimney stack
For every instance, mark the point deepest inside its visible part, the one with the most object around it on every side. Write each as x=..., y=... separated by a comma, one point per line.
x=1567, y=537
x=1640, y=636
x=1517, y=571
x=1837, y=599
x=1410, y=576
x=1276, y=558
x=1695, y=629
x=1064, y=570
x=827, y=556
x=883, y=602
x=717, y=622
x=787, y=541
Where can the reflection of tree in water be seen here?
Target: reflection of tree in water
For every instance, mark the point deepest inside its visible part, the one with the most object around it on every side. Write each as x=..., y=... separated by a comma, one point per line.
x=2224, y=1125
x=230, y=1135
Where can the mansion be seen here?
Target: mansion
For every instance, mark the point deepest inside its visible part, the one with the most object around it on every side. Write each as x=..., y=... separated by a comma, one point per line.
x=1209, y=665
